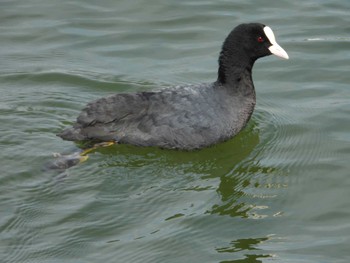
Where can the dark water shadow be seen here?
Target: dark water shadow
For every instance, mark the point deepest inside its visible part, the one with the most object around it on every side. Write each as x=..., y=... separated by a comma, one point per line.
x=234, y=162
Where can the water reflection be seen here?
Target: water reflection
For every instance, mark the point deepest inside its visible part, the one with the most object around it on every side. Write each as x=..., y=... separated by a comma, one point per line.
x=168, y=188
x=235, y=163
x=248, y=259
x=247, y=246
x=233, y=186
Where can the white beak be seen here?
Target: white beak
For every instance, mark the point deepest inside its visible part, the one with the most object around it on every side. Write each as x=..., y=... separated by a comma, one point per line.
x=275, y=48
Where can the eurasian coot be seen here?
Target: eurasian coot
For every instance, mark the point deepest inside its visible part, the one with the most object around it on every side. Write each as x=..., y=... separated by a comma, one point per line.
x=185, y=117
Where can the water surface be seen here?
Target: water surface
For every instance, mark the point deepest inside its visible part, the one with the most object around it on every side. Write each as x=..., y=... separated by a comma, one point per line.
x=278, y=192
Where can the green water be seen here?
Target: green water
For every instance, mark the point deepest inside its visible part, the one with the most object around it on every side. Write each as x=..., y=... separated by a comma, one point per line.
x=278, y=192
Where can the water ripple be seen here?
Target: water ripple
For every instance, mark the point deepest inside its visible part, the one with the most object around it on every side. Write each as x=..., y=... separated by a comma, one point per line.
x=278, y=191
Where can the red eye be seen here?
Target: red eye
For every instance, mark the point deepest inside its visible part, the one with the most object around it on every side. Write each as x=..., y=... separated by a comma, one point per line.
x=260, y=39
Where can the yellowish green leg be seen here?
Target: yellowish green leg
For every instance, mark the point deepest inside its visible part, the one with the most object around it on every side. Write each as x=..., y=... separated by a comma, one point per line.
x=95, y=146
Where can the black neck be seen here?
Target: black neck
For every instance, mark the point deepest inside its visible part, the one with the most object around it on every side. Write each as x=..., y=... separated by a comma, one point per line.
x=233, y=65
